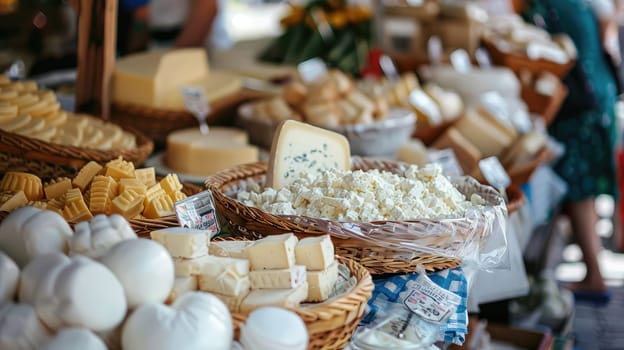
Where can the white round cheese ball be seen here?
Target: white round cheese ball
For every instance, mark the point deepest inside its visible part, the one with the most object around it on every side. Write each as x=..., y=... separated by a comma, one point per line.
x=195, y=321
x=11, y=242
x=9, y=278
x=75, y=339
x=144, y=268
x=94, y=238
x=272, y=328
x=20, y=328
x=35, y=272
x=81, y=293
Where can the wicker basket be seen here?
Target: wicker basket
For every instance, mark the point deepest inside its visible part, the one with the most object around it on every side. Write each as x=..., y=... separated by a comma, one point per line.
x=546, y=106
x=331, y=324
x=48, y=160
x=158, y=123
x=516, y=198
x=522, y=174
x=253, y=223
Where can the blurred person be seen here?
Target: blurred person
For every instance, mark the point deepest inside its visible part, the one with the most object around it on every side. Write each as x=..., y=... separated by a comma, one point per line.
x=586, y=122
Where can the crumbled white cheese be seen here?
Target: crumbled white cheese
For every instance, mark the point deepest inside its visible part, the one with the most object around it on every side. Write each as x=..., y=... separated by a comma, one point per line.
x=365, y=196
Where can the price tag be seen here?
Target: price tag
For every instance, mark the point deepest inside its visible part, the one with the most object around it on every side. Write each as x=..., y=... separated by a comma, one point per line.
x=483, y=58
x=434, y=50
x=494, y=103
x=312, y=69
x=388, y=67
x=195, y=102
x=421, y=101
x=430, y=301
x=198, y=212
x=461, y=61
x=447, y=160
x=521, y=120
x=494, y=173
x=17, y=70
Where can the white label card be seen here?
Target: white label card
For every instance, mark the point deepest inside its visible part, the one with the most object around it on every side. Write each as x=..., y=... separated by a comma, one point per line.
x=198, y=212
x=494, y=173
x=495, y=104
x=430, y=301
x=434, y=50
x=447, y=160
x=420, y=100
x=388, y=67
x=195, y=102
x=483, y=58
x=461, y=61
x=312, y=69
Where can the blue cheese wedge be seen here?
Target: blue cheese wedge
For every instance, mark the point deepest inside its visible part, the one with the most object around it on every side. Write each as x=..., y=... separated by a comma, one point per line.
x=300, y=148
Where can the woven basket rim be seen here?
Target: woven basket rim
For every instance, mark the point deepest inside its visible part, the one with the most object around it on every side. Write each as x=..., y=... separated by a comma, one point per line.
x=346, y=303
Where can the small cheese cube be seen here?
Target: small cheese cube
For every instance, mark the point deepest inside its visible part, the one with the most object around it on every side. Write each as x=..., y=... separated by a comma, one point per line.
x=159, y=207
x=119, y=169
x=57, y=187
x=287, y=298
x=128, y=204
x=177, y=196
x=316, y=253
x=132, y=184
x=13, y=201
x=146, y=175
x=86, y=174
x=170, y=183
x=76, y=209
x=321, y=283
x=181, y=286
x=273, y=252
x=189, y=267
x=103, y=190
x=57, y=204
x=226, y=284
x=232, y=249
x=278, y=279
x=183, y=242
x=233, y=303
x=216, y=265
x=152, y=193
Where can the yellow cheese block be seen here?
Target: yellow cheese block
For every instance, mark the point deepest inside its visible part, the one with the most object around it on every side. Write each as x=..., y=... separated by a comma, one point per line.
x=155, y=78
x=480, y=132
x=57, y=187
x=188, y=151
x=468, y=155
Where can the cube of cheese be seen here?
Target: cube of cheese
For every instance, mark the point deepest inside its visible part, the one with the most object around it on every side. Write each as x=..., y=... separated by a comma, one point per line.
x=159, y=207
x=57, y=188
x=170, y=183
x=76, y=209
x=132, y=184
x=86, y=174
x=232, y=249
x=483, y=134
x=468, y=155
x=287, y=298
x=278, y=279
x=153, y=193
x=226, y=284
x=183, y=242
x=216, y=265
x=273, y=252
x=128, y=204
x=321, y=283
x=177, y=196
x=188, y=267
x=181, y=286
x=302, y=148
x=315, y=253
x=13, y=201
x=147, y=176
x=120, y=169
x=233, y=303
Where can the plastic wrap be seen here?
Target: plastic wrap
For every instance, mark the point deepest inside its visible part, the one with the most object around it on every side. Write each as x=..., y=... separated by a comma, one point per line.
x=477, y=238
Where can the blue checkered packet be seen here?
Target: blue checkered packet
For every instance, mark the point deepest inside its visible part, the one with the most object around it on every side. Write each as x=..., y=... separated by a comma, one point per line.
x=395, y=293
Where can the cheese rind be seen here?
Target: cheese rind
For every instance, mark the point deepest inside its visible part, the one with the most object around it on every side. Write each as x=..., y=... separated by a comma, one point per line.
x=321, y=283
x=274, y=297
x=278, y=279
x=183, y=242
x=302, y=148
x=273, y=252
x=315, y=253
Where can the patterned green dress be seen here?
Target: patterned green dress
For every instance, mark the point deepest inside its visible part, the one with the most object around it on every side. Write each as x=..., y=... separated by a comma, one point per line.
x=588, y=165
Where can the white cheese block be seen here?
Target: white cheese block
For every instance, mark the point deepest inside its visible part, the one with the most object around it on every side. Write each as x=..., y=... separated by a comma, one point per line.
x=233, y=302
x=278, y=279
x=80, y=293
x=191, y=152
x=195, y=321
x=95, y=237
x=481, y=133
x=75, y=339
x=233, y=249
x=181, y=286
x=315, y=253
x=300, y=148
x=413, y=152
x=274, y=297
x=9, y=278
x=182, y=242
x=20, y=328
x=144, y=268
x=28, y=232
x=188, y=267
x=321, y=283
x=34, y=272
x=273, y=252
x=216, y=265
x=226, y=284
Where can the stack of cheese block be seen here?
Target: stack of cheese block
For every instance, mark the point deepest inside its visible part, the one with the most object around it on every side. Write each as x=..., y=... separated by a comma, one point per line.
x=431, y=103
x=329, y=101
x=28, y=111
x=98, y=288
x=274, y=271
x=116, y=187
x=154, y=79
x=510, y=33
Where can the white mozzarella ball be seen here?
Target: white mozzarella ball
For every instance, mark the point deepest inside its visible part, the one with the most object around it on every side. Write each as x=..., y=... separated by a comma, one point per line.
x=9, y=278
x=20, y=328
x=75, y=339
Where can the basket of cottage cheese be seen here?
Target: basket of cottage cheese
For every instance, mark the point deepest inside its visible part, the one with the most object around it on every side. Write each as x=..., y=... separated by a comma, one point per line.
x=387, y=215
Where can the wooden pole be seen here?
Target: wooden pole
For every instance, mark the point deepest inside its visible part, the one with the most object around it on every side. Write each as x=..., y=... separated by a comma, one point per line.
x=97, y=29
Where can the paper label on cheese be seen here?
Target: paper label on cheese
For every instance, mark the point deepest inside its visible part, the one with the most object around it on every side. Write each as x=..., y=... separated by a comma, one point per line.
x=447, y=160
x=195, y=102
x=430, y=301
x=312, y=69
x=198, y=212
x=494, y=173
x=388, y=67
x=434, y=50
